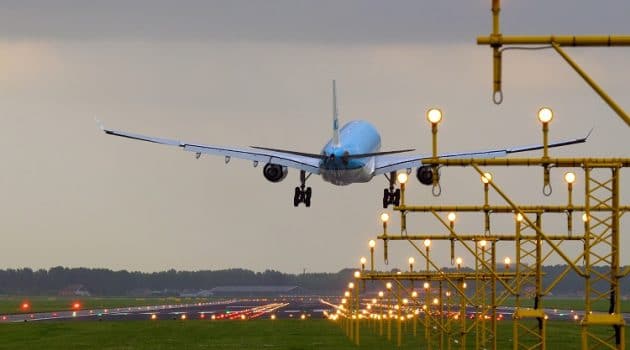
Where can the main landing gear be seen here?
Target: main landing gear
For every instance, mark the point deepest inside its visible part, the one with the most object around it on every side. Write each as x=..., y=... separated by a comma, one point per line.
x=391, y=196
x=302, y=193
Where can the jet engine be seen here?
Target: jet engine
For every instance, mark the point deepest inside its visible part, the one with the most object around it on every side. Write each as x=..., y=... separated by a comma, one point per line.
x=425, y=175
x=275, y=172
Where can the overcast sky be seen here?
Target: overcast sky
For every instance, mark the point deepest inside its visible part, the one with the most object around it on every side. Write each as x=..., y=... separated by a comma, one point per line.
x=259, y=73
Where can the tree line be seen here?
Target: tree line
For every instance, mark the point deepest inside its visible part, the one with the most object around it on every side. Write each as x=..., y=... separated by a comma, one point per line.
x=106, y=282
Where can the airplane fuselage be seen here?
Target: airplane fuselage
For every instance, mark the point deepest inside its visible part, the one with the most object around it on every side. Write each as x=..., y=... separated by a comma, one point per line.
x=356, y=137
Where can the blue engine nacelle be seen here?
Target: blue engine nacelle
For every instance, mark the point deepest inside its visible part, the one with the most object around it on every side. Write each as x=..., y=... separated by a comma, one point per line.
x=275, y=172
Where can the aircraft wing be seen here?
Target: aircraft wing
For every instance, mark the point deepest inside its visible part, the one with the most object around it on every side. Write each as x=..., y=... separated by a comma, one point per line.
x=387, y=163
x=292, y=160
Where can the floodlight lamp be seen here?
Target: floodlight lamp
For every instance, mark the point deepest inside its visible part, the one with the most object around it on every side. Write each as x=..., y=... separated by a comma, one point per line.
x=451, y=217
x=545, y=115
x=427, y=243
x=486, y=178
x=434, y=116
x=569, y=177
x=372, y=243
x=384, y=217
x=411, y=260
x=402, y=178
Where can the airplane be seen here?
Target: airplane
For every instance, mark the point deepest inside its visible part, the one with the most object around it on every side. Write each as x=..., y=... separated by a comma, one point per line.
x=352, y=155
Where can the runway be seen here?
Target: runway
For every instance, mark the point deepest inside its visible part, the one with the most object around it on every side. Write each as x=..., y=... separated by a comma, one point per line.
x=281, y=308
x=241, y=308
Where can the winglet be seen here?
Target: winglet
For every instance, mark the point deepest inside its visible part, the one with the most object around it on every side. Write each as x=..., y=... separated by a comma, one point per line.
x=589, y=133
x=100, y=124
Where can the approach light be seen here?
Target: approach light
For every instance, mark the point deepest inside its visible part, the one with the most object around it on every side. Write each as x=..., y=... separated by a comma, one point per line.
x=426, y=285
x=482, y=244
x=411, y=260
x=459, y=261
x=507, y=262
x=451, y=217
x=545, y=115
x=414, y=294
x=273, y=317
x=363, y=260
x=402, y=178
x=381, y=294
x=76, y=305
x=569, y=177
x=153, y=316
x=384, y=217
x=427, y=243
x=434, y=116
x=388, y=285
x=519, y=217
x=584, y=217
x=357, y=274
x=351, y=285
x=486, y=178
x=25, y=306
x=372, y=243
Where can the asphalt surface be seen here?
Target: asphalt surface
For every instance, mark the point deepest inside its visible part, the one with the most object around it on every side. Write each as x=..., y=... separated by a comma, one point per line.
x=234, y=309
x=281, y=308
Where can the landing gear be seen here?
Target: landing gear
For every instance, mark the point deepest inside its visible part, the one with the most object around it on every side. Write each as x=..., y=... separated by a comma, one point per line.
x=302, y=193
x=391, y=196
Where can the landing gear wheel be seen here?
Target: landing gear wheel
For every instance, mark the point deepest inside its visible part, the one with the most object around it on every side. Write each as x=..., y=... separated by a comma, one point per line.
x=307, y=197
x=385, y=198
x=296, y=197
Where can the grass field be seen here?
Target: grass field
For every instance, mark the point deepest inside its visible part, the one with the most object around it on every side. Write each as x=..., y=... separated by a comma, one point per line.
x=253, y=334
x=571, y=304
x=12, y=304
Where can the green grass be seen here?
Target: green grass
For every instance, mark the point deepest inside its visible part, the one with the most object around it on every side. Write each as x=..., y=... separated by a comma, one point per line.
x=571, y=304
x=11, y=304
x=253, y=334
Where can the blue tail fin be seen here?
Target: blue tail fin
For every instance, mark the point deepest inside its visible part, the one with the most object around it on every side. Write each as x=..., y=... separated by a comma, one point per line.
x=335, y=138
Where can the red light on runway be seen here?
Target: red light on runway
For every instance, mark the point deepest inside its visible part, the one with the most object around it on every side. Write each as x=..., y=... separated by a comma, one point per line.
x=25, y=306
x=76, y=305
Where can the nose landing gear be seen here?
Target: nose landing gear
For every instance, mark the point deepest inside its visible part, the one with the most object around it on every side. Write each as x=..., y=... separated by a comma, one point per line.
x=302, y=193
x=391, y=196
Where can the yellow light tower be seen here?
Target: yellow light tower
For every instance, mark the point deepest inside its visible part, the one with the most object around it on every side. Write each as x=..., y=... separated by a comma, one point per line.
x=388, y=286
x=569, y=177
x=381, y=313
x=451, y=219
x=486, y=179
x=427, y=248
x=434, y=116
x=384, y=220
x=372, y=244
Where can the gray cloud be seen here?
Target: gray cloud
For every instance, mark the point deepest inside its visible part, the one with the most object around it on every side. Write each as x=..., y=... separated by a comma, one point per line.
x=325, y=21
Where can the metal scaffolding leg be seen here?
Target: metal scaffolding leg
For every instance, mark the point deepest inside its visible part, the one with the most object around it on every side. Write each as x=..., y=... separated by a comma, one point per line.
x=601, y=247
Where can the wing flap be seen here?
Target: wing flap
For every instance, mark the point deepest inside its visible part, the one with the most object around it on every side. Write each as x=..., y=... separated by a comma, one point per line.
x=288, y=159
